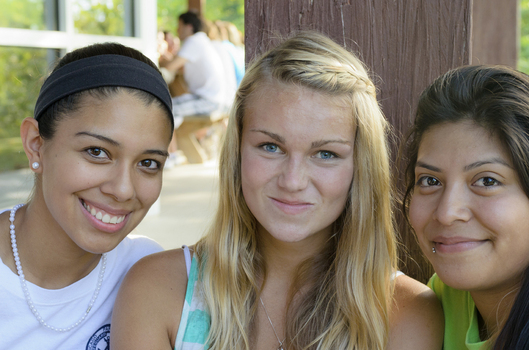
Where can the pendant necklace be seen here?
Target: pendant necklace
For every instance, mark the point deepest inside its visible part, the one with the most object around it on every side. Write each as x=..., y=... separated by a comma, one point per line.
x=25, y=289
x=280, y=347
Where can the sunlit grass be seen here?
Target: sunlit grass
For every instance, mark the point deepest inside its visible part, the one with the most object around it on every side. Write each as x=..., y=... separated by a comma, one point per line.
x=12, y=154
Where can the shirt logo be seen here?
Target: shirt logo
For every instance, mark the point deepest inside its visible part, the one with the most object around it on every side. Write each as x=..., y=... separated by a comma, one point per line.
x=100, y=340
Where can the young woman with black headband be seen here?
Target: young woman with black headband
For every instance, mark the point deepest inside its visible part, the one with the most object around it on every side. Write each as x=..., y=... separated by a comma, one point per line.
x=97, y=145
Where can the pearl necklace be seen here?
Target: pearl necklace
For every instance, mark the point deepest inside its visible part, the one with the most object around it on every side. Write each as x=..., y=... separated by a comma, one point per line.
x=25, y=287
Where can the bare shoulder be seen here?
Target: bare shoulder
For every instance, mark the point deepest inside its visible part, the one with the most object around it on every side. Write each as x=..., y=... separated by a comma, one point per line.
x=150, y=302
x=166, y=268
x=416, y=319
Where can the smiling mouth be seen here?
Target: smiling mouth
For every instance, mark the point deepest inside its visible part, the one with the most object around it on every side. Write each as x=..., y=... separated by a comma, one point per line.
x=457, y=246
x=103, y=217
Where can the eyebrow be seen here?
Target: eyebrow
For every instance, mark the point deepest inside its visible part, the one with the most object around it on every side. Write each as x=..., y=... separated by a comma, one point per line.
x=317, y=144
x=467, y=167
x=314, y=144
x=117, y=144
x=420, y=164
x=489, y=161
x=271, y=134
x=99, y=137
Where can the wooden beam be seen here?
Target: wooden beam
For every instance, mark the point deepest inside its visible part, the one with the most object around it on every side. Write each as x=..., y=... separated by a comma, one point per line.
x=495, y=32
x=196, y=6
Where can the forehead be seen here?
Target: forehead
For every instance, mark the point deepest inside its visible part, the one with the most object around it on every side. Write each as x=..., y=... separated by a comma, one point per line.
x=123, y=115
x=463, y=141
x=279, y=102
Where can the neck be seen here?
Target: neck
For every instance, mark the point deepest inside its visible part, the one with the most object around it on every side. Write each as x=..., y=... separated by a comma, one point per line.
x=284, y=258
x=49, y=258
x=494, y=307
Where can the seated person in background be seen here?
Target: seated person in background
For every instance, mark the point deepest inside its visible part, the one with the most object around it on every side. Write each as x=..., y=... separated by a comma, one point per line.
x=168, y=47
x=230, y=82
x=203, y=71
x=235, y=37
x=231, y=40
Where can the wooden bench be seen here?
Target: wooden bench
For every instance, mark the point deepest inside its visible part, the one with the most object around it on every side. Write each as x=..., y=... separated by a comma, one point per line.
x=186, y=139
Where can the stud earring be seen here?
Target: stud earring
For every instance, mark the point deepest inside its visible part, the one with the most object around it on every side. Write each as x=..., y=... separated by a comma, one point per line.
x=35, y=165
x=433, y=250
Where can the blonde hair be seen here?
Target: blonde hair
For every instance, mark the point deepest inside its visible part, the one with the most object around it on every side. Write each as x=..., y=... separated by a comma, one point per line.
x=348, y=308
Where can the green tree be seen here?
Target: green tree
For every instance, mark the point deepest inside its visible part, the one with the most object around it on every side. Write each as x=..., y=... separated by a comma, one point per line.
x=224, y=10
x=25, y=14
x=97, y=18
x=523, y=58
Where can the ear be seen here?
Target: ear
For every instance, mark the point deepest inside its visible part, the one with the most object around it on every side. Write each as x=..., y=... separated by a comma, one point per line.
x=32, y=142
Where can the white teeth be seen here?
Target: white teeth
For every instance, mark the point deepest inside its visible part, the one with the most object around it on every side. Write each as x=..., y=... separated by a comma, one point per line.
x=107, y=219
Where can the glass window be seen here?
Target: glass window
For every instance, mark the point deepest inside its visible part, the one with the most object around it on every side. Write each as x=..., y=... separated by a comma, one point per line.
x=102, y=17
x=23, y=14
x=21, y=74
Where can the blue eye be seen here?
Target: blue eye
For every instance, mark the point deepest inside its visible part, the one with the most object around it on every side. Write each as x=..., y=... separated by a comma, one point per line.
x=326, y=155
x=270, y=147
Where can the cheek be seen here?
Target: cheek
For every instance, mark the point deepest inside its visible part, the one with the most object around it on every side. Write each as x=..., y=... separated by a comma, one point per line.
x=418, y=216
x=335, y=183
x=148, y=190
x=255, y=171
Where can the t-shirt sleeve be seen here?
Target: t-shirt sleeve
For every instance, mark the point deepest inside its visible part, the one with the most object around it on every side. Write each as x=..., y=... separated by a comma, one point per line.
x=140, y=246
x=436, y=285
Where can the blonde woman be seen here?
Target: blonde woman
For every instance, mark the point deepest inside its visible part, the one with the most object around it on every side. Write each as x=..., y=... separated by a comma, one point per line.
x=301, y=253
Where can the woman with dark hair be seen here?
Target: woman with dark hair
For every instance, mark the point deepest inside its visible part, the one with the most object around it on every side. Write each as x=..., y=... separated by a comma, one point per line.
x=467, y=200
x=97, y=145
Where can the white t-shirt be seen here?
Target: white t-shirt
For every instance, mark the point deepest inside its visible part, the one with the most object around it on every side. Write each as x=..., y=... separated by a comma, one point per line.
x=203, y=71
x=230, y=81
x=19, y=329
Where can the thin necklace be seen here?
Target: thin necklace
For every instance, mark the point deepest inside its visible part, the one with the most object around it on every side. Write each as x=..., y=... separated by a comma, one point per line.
x=25, y=287
x=273, y=328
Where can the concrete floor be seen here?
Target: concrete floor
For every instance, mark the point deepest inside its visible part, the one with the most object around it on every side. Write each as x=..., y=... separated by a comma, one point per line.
x=180, y=216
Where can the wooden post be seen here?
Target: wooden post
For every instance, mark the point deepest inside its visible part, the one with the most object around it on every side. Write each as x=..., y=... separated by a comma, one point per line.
x=196, y=6
x=495, y=33
x=406, y=44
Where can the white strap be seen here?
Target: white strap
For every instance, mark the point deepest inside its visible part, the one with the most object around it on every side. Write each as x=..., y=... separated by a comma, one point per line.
x=187, y=257
x=396, y=274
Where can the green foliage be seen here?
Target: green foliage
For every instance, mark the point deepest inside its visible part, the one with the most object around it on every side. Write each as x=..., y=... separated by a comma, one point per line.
x=20, y=73
x=168, y=12
x=224, y=10
x=12, y=154
x=523, y=58
x=25, y=14
x=97, y=18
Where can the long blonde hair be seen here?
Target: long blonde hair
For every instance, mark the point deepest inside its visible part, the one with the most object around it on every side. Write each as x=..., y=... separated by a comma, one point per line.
x=349, y=306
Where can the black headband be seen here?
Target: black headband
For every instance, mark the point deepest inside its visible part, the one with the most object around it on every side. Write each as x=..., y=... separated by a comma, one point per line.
x=98, y=71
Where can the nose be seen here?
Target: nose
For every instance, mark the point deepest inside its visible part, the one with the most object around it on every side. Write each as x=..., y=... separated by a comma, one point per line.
x=453, y=205
x=294, y=174
x=120, y=183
